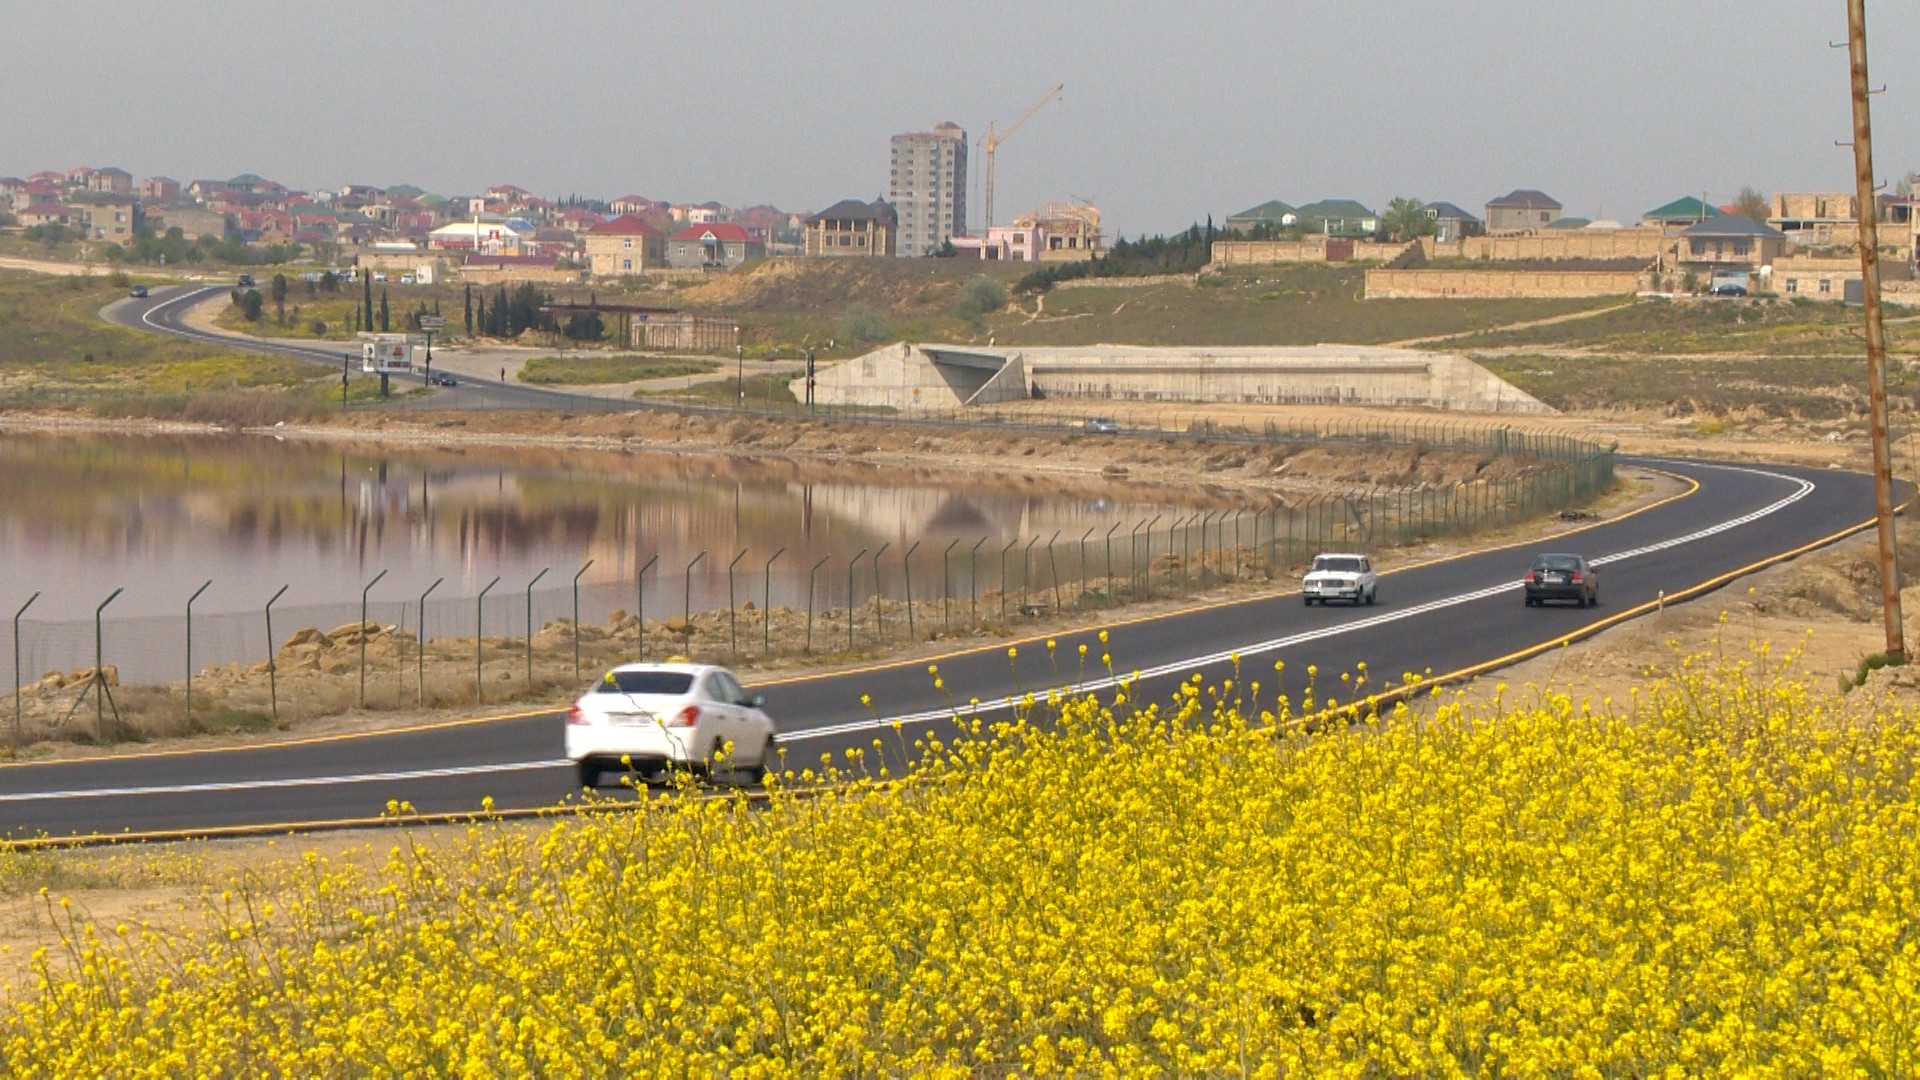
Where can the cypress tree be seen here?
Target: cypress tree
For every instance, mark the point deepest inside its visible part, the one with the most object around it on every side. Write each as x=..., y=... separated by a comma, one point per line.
x=384, y=325
x=366, y=302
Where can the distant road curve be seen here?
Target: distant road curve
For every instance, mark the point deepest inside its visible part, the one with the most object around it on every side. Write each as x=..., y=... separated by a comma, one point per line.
x=164, y=312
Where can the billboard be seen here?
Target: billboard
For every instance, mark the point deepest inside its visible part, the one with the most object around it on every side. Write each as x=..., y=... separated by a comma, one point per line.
x=386, y=353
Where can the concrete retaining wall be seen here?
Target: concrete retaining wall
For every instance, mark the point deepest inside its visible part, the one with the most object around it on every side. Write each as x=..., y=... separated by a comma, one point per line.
x=1502, y=284
x=908, y=377
x=936, y=377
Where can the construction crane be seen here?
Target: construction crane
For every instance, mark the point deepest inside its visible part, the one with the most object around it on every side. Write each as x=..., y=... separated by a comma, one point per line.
x=995, y=138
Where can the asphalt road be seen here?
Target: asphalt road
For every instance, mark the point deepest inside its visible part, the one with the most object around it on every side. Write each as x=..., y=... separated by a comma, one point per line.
x=164, y=312
x=1446, y=617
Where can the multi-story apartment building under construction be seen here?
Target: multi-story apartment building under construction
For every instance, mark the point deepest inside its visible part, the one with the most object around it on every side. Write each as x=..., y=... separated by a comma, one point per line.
x=927, y=187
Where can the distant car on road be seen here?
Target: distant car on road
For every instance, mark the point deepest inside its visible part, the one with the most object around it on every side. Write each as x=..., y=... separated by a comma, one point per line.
x=654, y=717
x=138, y=292
x=1340, y=577
x=1562, y=577
x=246, y=281
x=1729, y=290
x=441, y=378
x=1100, y=425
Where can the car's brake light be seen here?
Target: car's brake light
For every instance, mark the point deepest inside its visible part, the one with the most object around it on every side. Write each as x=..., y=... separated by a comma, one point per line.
x=1575, y=577
x=1532, y=577
x=686, y=717
x=575, y=715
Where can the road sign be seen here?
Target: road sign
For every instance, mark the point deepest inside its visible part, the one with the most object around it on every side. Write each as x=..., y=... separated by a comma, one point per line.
x=432, y=322
x=386, y=353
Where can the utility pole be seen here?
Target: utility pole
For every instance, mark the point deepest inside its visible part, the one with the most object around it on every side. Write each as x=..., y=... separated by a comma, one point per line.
x=1868, y=217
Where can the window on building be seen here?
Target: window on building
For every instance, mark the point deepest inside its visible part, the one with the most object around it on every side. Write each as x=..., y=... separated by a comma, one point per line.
x=1793, y=285
x=627, y=243
x=1742, y=248
x=1826, y=285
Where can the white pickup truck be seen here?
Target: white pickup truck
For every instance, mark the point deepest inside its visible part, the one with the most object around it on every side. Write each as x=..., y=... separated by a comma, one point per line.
x=1340, y=577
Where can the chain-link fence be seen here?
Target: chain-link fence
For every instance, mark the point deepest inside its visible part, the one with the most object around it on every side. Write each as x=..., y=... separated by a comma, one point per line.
x=747, y=607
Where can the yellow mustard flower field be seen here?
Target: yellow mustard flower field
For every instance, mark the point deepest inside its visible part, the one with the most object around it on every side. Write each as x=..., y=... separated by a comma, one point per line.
x=1719, y=876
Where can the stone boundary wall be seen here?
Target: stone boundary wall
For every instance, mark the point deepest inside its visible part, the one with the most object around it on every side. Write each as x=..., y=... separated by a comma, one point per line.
x=1647, y=244
x=1312, y=249
x=1498, y=284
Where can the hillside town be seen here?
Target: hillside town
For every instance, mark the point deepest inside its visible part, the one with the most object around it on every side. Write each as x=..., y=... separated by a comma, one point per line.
x=1521, y=244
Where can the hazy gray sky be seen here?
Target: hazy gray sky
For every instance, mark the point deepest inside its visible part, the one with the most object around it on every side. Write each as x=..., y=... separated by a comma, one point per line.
x=1172, y=110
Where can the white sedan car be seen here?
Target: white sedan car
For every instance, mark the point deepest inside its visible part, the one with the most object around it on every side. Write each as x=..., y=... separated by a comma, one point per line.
x=1340, y=577
x=671, y=715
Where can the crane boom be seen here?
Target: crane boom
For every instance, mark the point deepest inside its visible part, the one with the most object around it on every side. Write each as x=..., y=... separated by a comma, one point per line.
x=994, y=138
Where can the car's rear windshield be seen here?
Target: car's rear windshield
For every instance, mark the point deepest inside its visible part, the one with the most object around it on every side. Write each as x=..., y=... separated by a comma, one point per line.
x=1557, y=562
x=1339, y=565
x=646, y=682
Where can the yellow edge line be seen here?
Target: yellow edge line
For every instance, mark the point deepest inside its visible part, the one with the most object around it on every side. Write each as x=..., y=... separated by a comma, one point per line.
x=337, y=824
x=889, y=665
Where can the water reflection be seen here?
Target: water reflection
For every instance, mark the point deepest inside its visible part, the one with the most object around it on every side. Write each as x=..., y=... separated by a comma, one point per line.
x=84, y=514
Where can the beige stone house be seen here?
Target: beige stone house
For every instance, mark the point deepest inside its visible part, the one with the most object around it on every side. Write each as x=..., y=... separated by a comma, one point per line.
x=624, y=246
x=1522, y=209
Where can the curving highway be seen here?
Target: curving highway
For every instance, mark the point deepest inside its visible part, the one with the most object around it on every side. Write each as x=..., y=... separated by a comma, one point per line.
x=165, y=311
x=1452, y=617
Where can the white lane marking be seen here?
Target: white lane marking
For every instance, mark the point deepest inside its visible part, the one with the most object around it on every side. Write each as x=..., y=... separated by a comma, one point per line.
x=302, y=781
x=1803, y=488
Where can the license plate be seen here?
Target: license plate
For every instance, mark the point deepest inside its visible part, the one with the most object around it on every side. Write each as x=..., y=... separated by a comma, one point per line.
x=1557, y=579
x=631, y=719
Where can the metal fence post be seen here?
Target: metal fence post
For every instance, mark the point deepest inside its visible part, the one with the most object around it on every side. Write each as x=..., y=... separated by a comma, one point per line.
x=16, y=668
x=733, y=618
x=273, y=655
x=1003, y=577
x=420, y=654
x=766, y=605
x=1110, y=531
x=879, y=600
x=363, y=632
x=1053, y=569
x=1026, y=573
x=946, y=587
x=576, y=619
x=529, y=639
x=640, y=607
x=973, y=578
x=479, y=636
x=906, y=572
x=190, y=600
x=686, y=609
x=1181, y=525
x=851, y=563
x=810, y=590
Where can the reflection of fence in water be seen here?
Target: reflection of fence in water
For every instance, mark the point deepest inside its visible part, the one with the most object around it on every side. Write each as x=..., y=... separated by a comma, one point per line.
x=980, y=583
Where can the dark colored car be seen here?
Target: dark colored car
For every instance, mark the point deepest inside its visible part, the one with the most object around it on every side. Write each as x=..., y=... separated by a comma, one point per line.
x=1562, y=577
x=441, y=378
x=1729, y=290
x=138, y=292
x=246, y=281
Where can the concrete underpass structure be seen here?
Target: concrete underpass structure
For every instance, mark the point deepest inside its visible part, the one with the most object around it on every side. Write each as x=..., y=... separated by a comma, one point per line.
x=943, y=377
